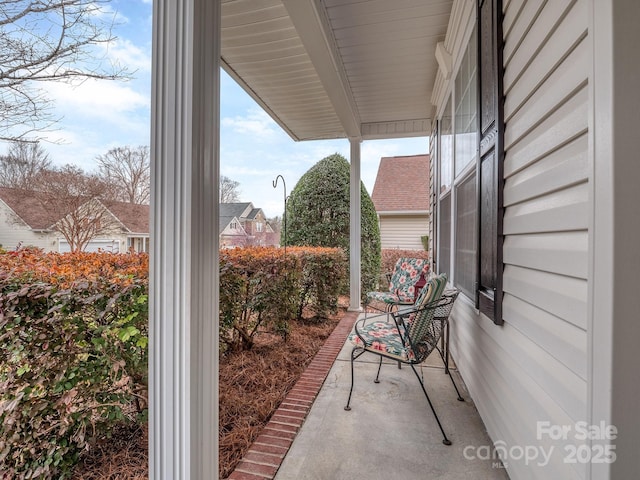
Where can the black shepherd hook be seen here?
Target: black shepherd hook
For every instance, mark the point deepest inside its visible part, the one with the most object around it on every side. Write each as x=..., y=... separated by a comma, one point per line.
x=284, y=215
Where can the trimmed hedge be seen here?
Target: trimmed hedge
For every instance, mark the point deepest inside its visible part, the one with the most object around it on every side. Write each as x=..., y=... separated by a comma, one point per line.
x=323, y=272
x=73, y=356
x=261, y=288
x=74, y=333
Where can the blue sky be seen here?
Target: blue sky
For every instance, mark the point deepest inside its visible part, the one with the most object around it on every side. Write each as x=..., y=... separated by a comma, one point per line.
x=99, y=115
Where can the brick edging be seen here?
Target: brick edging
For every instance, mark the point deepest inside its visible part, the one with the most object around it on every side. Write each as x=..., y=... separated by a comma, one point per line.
x=267, y=452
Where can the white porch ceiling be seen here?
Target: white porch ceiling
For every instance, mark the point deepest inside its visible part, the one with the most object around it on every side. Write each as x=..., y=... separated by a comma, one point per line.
x=337, y=68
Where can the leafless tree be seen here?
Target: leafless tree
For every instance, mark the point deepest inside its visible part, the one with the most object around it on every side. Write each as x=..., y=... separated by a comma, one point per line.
x=275, y=223
x=22, y=164
x=229, y=192
x=76, y=200
x=48, y=40
x=127, y=170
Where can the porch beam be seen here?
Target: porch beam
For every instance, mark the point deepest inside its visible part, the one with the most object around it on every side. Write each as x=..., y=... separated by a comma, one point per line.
x=398, y=129
x=312, y=25
x=183, y=306
x=354, y=227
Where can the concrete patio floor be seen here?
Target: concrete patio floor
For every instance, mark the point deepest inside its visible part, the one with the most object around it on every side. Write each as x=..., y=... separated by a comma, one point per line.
x=390, y=432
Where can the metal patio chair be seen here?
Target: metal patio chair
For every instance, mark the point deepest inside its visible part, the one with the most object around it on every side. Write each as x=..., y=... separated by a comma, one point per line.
x=408, y=336
x=404, y=283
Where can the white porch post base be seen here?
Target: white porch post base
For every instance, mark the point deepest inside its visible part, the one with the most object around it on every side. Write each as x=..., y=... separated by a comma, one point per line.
x=183, y=357
x=355, y=231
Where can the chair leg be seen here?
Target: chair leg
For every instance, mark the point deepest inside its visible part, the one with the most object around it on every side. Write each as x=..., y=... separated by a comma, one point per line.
x=445, y=344
x=377, y=380
x=353, y=358
x=448, y=372
x=445, y=440
x=460, y=399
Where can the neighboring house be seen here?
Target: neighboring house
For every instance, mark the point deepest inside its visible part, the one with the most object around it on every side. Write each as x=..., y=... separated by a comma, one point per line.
x=134, y=222
x=241, y=224
x=24, y=222
x=401, y=198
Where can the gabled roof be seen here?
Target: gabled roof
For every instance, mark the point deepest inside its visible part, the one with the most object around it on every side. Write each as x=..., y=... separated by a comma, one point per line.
x=402, y=184
x=135, y=218
x=25, y=204
x=235, y=209
x=224, y=221
x=254, y=213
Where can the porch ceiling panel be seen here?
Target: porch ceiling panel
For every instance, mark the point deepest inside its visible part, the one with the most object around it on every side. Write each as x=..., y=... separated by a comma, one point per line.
x=337, y=68
x=388, y=52
x=262, y=51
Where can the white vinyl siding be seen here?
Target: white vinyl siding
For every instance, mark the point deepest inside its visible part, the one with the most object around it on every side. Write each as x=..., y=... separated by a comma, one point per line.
x=403, y=231
x=98, y=245
x=10, y=239
x=14, y=233
x=534, y=367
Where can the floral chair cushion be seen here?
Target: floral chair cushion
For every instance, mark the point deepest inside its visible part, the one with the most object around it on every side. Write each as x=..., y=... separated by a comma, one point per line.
x=383, y=337
x=387, y=338
x=406, y=274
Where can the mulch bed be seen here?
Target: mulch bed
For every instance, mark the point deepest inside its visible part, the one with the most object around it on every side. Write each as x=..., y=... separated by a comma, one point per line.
x=251, y=384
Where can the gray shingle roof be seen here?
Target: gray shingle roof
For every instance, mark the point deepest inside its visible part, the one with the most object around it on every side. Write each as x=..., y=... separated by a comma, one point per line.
x=233, y=209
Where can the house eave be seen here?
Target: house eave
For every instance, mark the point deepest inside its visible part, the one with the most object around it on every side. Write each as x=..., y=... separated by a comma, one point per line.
x=389, y=213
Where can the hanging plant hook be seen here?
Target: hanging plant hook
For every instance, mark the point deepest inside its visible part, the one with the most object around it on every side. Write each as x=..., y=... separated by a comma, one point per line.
x=284, y=215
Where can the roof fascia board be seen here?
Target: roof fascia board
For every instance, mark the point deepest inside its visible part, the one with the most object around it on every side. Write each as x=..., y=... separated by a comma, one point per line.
x=403, y=212
x=310, y=21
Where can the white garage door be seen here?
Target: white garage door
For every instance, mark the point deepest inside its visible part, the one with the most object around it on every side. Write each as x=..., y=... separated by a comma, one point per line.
x=112, y=246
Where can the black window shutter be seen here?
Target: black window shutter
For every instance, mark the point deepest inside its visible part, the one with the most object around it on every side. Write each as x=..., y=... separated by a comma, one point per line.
x=490, y=168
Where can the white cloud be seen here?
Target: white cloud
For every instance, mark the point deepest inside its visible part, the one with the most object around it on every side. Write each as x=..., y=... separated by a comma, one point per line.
x=100, y=99
x=123, y=52
x=256, y=123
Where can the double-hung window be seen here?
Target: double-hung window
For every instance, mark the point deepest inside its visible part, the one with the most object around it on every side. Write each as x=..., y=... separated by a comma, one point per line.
x=468, y=198
x=457, y=188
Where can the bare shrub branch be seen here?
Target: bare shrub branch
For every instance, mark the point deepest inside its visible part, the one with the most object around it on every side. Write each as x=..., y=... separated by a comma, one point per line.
x=48, y=40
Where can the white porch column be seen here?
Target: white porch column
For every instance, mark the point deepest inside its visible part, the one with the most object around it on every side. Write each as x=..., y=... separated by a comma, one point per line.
x=355, y=231
x=614, y=330
x=183, y=360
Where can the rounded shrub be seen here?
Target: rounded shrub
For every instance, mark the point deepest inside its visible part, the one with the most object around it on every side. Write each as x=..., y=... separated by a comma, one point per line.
x=318, y=215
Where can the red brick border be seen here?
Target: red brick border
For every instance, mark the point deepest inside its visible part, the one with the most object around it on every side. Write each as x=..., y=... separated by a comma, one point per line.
x=263, y=459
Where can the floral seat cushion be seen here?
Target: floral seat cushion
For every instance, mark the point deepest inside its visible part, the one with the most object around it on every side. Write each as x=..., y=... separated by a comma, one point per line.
x=384, y=337
x=406, y=274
